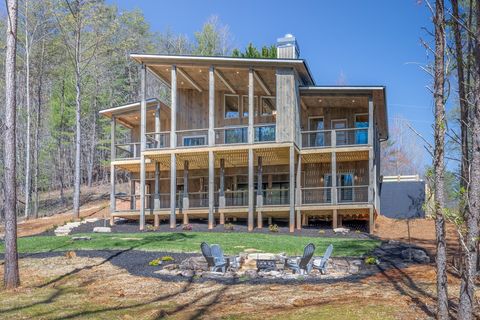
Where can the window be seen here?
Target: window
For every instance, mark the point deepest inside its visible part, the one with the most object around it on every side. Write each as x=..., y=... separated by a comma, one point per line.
x=317, y=139
x=267, y=106
x=245, y=105
x=194, y=141
x=361, y=135
x=265, y=133
x=236, y=135
x=232, y=106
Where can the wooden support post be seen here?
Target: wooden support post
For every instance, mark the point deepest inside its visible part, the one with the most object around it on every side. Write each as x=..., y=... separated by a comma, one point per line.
x=292, y=189
x=156, y=221
x=221, y=195
x=156, y=204
x=112, y=166
x=185, y=199
x=304, y=220
x=158, y=127
x=259, y=182
x=340, y=220
x=335, y=219
x=251, y=108
x=270, y=221
x=371, y=155
x=211, y=106
x=298, y=193
x=173, y=190
x=173, y=108
x=211, y=189
x=371, y=221
x=143, y=122
x=250, y=190
x=334, y=192
x=185, y=217
x=133, y=201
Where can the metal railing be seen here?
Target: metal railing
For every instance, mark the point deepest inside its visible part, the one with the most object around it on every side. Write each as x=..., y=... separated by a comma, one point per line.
x=192, y=137
x=198, y=199
x=276, y=197
x=339, y=138
x=353, y=194
x=238, y=198
x=128, y=150
x=316, y=195
x=157, y=140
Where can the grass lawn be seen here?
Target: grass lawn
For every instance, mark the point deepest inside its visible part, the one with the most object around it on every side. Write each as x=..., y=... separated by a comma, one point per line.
x=231, y=243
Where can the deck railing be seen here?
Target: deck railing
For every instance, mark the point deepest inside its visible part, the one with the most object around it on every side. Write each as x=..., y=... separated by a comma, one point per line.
x=231, y=135
x=192, y=138
x=129, y=150
x=316, y=195
x=353, y=194
x=276, y=197
x=237, y=198
x=339, y=138
x=198, y=199
x=157, y=140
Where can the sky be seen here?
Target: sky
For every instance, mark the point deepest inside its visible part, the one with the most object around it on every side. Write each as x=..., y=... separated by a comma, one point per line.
x=368, y=42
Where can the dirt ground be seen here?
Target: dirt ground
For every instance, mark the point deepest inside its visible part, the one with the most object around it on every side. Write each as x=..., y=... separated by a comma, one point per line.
x=86, y=288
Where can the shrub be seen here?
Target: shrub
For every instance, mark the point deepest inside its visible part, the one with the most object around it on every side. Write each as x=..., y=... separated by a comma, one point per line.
x=273, y=228
x=151, y=228
x=321, y=231
x=358, y=231
x=371, y=260
x=229, y=226
x=155, y=262
x=167, y=258
x=187, y=227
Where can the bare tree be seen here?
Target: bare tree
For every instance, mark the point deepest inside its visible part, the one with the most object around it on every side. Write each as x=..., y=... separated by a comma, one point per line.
x=439, y=159
x=11, y=275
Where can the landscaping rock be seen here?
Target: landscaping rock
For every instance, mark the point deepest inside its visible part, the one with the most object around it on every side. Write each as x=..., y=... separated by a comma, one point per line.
x=341, y=230
x=213, y=275
x=194, y=263
x=172, y=266
x=251, y=274
x=417, y=255
x=188, y=273
x=102, y=229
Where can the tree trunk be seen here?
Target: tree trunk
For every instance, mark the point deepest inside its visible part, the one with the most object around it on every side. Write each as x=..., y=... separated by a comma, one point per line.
x=37, y=131
x=27, y=155
x=439, y=165
x=11, y=275
x=467, y=288
x=78, y=134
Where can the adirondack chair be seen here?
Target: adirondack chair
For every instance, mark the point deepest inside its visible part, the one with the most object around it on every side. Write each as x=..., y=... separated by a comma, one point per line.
x=214, y=257
x=302, y=264
x=321, y=264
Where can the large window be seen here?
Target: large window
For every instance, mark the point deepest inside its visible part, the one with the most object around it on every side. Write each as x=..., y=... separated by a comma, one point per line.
x=265, y=133
x=317, y=139
x=231, y=104
x=194, y=141
x=361, y=135
x=236, y=135
x=267, y=106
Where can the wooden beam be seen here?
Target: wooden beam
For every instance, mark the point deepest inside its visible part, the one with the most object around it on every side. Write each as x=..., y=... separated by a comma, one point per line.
x=225, y=81
x=302, y=103
x=211, y=191
x=211, y=106
x=173, y=190
x=143, y=124
x=251, y=108
x=262, y=84
x=250, y=190
x=159, y=77
x=189, y=79
x=173, y=109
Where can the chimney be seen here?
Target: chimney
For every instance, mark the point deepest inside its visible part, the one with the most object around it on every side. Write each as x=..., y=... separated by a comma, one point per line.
x=287, y=47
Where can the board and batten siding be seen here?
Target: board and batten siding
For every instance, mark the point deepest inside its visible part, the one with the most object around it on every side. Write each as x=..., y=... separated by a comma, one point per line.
x=288, y=115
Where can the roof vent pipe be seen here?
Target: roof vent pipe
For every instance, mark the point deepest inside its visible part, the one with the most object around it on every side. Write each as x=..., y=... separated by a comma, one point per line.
x=287, y=47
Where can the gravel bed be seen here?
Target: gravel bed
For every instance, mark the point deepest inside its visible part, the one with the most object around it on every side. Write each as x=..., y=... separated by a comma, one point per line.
x=129, y=226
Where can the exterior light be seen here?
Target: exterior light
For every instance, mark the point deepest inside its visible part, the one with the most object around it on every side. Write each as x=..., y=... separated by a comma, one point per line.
x=319, y=100
x=353, y=100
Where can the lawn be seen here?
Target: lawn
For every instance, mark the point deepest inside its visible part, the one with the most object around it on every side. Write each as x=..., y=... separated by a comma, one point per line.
x=232, y=243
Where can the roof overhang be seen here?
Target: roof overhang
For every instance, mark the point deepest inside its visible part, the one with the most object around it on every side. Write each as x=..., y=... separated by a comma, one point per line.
x=299, y=65
x=124, y=112
x=378, y=93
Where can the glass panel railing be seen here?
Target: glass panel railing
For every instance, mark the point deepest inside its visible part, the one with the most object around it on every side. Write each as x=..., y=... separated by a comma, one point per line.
x=351, y=136
x=276, y=197
x=192, y=138
x=265, y=133
x=317, y=139
x=129, y=150
x=231, y=135
x=338, y=137
x=314, y=195
x=157, y=140
x=352, y=194
x=238, y=198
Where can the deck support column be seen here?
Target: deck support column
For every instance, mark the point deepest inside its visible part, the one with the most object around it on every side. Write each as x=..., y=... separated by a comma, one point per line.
x=158, y=128
x=334, y=192
x=259, y=193
x=156, y=203
x=251, y=108
x=173, y=190
x=371, y=220
x=185, y=200
x=143, y=121
x=335, y=219
x=211, y=106
x=133, y=201
x=211, y=191
x=221, y=194
x=250, y=190
x=298, y=193
x=371, y=182
x=112, y=166
x=292, y=190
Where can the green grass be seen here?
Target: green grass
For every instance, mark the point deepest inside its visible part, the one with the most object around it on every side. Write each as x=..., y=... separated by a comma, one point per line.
x=231, y=243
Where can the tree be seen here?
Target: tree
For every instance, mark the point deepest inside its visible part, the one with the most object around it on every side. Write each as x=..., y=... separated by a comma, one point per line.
x=439, y=159
x=11, y=274
x=214, y=39
x=252, y=52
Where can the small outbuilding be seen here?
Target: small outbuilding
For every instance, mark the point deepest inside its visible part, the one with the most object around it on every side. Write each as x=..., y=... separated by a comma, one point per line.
x=402, y=197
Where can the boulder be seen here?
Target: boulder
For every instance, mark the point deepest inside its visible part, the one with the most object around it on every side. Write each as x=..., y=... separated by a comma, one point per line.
x=213, y=275
x=81, y=238
x=102, y=229
x=341, y=230
x=194, y=263
x=251, y=274
x=417, y=255
x=188, y=273
x=172, y=266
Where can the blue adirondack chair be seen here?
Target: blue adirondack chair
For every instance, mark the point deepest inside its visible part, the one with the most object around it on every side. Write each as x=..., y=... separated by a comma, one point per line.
x=302, y=264
x=321, y=264
x=214, y=256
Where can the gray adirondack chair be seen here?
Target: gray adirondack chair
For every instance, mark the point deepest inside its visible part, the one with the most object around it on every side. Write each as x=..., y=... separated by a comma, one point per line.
x=214, y=257
x=321, y=264
x=302, y=264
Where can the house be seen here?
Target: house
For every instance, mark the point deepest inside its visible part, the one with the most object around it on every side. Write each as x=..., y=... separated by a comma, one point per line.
x=249, y=139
